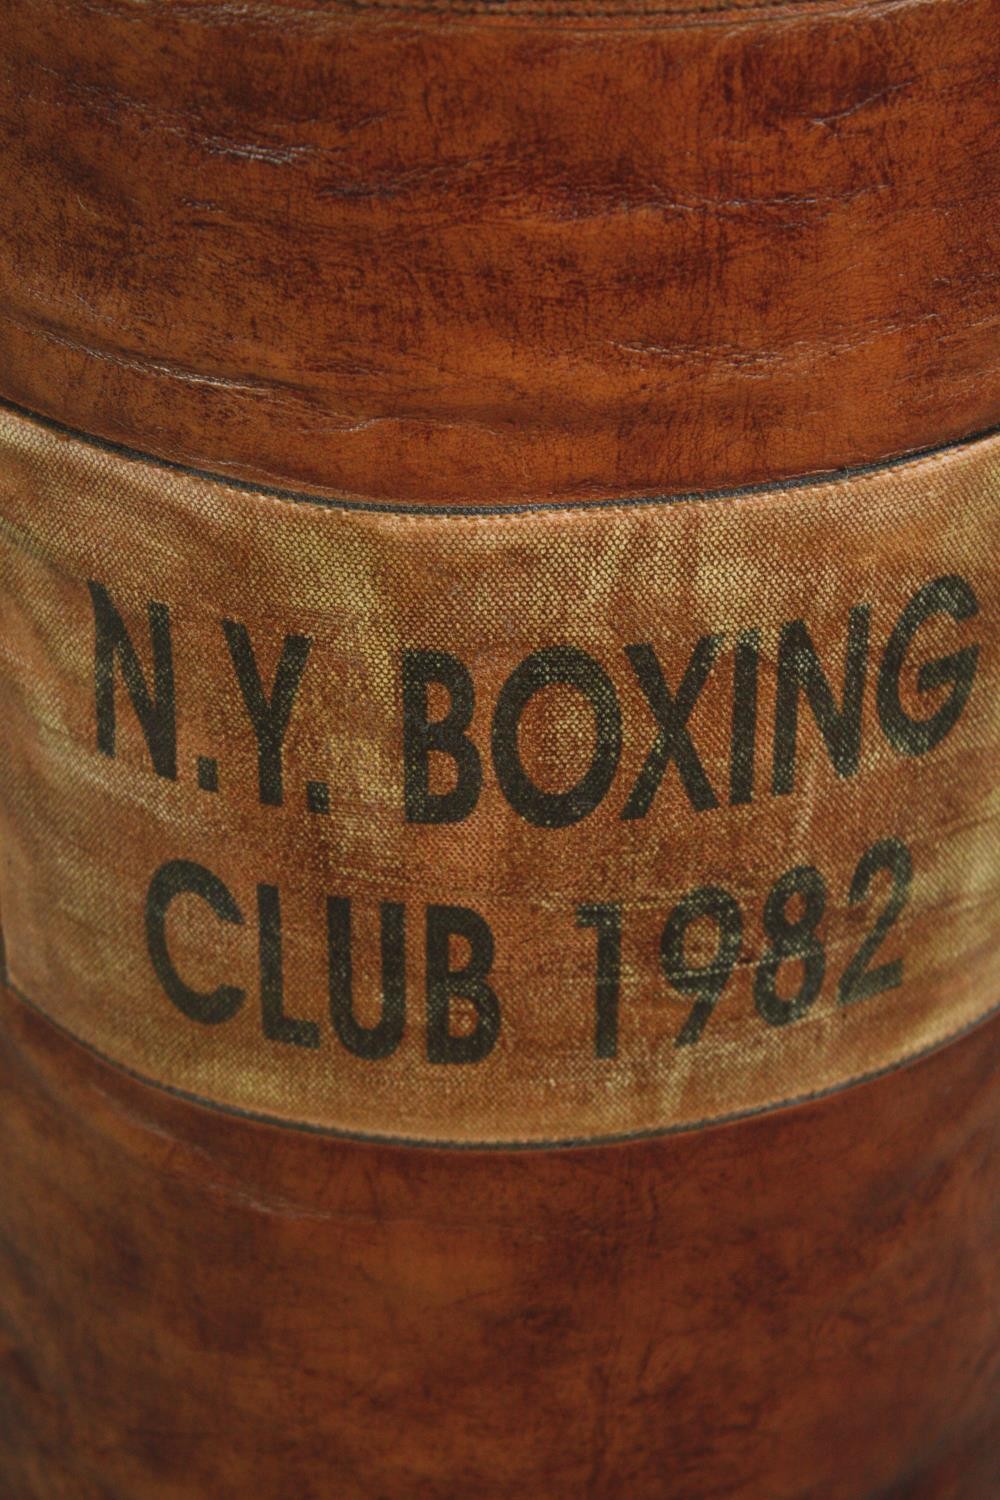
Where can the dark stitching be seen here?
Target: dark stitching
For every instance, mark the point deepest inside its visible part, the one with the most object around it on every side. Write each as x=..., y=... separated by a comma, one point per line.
x=569, y=1143
x=582, y=12
x=516, y=508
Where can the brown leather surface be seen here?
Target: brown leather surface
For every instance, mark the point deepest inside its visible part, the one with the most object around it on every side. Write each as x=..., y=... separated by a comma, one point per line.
x=804, y=1305
x=477, y=254
x=496, y=252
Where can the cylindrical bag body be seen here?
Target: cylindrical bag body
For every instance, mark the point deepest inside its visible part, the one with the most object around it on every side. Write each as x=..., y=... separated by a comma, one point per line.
x=499, y=728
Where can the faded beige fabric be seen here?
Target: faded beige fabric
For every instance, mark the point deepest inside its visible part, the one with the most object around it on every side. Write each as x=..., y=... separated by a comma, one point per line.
x=730, y=840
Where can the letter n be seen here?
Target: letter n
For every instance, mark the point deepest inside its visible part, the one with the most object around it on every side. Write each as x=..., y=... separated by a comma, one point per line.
x=799, y=672
x=155, y=711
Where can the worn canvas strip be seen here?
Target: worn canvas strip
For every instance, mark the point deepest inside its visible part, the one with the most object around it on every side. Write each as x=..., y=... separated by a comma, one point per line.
x=555, y=825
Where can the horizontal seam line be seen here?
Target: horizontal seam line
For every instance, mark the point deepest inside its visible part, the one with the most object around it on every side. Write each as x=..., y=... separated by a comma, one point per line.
x=539, y=11
x=651, y=1133
x=515, y=508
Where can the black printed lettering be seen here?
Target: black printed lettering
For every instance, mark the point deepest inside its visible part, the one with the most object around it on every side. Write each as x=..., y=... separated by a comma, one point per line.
x=567, y=666
x=468, y=982
x=952, y=596
x=183, y=877
x=269, y=716
x=423, y=736
x=278, y=1027
x=382, y=1039
x=799, y=672
x=673, y=741
x=155, y=711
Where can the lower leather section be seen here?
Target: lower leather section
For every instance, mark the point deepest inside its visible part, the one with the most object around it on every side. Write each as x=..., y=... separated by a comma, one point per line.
x=804, y=1304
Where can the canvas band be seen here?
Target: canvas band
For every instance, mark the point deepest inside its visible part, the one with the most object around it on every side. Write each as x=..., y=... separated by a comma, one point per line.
x=555, y=824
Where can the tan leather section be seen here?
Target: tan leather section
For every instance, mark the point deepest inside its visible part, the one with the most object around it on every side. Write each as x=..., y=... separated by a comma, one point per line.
x=453, y=251
x=775, y=924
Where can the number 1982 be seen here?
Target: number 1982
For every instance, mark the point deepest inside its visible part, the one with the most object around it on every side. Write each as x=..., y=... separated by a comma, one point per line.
x=793, y=910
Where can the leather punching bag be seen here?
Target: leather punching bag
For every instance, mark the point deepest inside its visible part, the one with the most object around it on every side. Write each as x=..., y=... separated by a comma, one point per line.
x=499, y=740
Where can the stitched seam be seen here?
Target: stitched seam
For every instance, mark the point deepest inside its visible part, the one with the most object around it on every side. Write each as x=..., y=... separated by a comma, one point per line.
x=416, y=511
x=488, y=1146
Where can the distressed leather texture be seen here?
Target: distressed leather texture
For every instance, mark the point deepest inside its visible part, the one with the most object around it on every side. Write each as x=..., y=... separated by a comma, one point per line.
x=483, y=253
x=468, y=331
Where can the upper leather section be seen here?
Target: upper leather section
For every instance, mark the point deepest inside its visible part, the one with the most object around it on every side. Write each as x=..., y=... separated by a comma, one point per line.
x=479, y=254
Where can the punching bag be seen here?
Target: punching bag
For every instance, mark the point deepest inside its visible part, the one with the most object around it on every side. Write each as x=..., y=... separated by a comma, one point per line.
x=499, y=747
